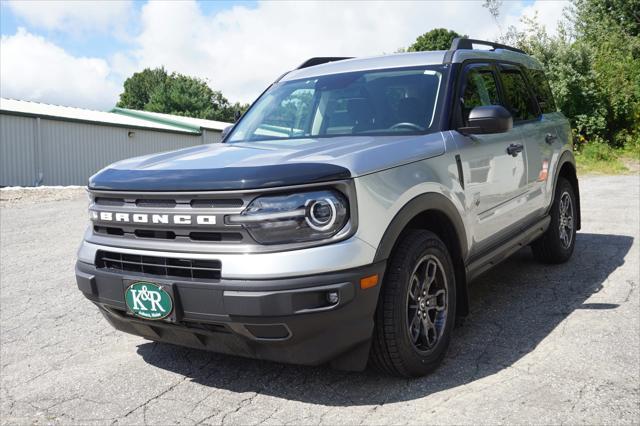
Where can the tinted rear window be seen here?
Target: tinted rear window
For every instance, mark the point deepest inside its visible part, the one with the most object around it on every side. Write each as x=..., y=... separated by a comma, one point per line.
x=542, y=90
x=517, y=96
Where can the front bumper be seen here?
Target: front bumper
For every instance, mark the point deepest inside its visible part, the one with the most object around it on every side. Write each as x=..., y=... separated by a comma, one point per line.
x=286, y=319
x=340, y=256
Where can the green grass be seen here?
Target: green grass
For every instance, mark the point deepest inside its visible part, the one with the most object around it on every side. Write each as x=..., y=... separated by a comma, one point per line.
x=600, y=158
x=632, y=151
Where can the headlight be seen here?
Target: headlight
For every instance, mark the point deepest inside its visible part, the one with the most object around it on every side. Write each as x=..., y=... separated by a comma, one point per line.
x=294, y=218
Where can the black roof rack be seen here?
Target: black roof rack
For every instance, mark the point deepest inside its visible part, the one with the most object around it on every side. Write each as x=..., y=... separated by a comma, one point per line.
x=460, y=43
x=322, y=60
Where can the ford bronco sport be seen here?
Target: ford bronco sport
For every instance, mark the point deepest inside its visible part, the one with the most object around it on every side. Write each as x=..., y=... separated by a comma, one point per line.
x=343, y=216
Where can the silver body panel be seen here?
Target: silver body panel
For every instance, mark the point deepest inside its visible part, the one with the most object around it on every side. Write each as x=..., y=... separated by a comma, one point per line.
x=498, y=54
x=293, y=263
x=409, y=59
x=398, y=60
x=360, y=154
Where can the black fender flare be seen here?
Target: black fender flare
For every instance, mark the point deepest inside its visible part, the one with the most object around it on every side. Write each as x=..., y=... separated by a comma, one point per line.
x=420, y=204
x=432, y=201
x=567, y=157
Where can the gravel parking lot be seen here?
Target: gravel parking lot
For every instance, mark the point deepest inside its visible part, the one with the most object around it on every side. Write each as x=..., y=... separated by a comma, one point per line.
x=543, y=344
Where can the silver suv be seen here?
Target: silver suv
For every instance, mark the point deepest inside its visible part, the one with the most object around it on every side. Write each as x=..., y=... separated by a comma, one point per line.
x=343, y=216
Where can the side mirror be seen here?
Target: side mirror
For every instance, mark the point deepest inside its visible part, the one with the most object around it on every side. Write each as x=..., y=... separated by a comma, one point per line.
x=225, y=132
x=488, y=119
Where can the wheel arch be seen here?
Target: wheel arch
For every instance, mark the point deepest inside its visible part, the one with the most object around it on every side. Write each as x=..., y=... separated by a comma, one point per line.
x=436, y=213
x=567, y=169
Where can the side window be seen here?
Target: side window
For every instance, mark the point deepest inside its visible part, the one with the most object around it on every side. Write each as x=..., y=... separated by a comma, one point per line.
x=517, y=96
x=480, y=89
x=542, y=90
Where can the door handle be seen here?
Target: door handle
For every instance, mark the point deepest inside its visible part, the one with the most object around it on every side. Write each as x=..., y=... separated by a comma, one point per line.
x=550, y=138
x=514, y=149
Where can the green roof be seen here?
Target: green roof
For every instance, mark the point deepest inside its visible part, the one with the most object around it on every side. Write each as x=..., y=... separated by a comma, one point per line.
x=190, y=124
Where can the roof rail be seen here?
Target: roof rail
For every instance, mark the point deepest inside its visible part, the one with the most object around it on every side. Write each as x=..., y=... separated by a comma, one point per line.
x=322, y=60
x=460, y=43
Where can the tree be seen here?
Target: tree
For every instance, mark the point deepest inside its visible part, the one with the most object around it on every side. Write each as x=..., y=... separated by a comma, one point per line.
x=569, y=68
x=494, y=9
x=155, y=90
x=436, y=39
x=139, y=87
x=611, y=29
x=593, y=65
x=592, y=16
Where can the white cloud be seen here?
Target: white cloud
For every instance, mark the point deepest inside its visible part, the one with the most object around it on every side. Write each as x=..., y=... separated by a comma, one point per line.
x=31, y=68
x=548, y=12
x=242, y=50
x=74, y=16
x=239, y=50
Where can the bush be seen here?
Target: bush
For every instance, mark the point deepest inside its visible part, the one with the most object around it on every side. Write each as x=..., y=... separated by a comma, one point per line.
x=598, y=151
x=593, y=65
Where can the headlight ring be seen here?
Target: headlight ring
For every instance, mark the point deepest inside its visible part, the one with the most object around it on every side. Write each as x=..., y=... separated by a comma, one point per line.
x=321, y=214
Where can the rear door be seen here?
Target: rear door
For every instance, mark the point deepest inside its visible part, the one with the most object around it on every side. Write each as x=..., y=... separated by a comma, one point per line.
x=537, y=131
x=547, y=143
x=494, y=180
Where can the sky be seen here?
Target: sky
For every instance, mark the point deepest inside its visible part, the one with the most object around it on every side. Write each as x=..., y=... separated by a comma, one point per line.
x=79, y=53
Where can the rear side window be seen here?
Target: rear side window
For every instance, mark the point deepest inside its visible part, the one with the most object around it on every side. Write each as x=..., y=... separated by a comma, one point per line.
x=518, y=99
x=480, y=89
x=542, y=90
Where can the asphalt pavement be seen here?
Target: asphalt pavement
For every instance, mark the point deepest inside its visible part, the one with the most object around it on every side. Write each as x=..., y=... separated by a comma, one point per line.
x=543, y=344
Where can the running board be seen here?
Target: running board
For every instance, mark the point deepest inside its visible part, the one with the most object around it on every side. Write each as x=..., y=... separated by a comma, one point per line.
x=504, y=250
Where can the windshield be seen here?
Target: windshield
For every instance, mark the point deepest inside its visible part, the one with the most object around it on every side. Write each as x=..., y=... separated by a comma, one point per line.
x=359, y=103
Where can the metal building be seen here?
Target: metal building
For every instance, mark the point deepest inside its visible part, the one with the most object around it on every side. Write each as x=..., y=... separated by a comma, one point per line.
x=43, y=144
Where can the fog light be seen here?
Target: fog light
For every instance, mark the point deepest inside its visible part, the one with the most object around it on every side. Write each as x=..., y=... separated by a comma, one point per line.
x=333, y=297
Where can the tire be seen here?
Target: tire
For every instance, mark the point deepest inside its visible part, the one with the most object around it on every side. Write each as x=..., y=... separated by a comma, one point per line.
x=557, y=243
x=419, y=259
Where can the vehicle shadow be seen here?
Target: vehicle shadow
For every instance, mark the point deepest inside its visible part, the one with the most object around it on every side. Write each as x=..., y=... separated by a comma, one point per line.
x=513, y=308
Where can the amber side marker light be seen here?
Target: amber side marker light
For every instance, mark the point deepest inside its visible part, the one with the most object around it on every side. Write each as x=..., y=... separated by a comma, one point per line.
x=544, y=172
x=368, y=282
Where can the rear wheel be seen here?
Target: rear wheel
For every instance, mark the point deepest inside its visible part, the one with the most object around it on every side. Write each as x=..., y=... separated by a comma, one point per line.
x=557, y=243
x=416, y=310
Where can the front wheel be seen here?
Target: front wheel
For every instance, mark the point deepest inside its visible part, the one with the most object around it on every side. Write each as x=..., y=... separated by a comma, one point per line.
x=557, y=243
x=417, y=307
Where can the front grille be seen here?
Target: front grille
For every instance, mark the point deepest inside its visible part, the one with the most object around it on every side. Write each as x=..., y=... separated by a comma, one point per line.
x=207, y=203
x=109, y=230
x=163, y=208
x=106, y=201
x=217, y=203
x=151, y=202
x=159, y=266
x=150, y=233
x=182, y=235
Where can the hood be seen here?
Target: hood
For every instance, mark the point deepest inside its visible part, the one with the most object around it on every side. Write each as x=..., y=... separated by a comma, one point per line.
x=255, y=165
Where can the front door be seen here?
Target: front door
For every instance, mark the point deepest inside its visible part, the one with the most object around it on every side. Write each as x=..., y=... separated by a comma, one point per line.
x=494, y=179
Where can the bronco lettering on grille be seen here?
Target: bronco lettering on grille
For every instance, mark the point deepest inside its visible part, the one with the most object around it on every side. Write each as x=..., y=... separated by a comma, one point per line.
x=156, y=219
